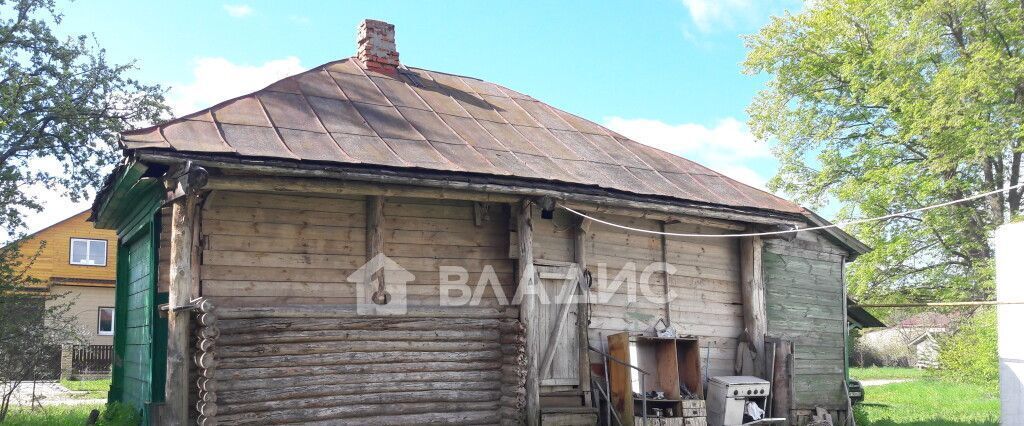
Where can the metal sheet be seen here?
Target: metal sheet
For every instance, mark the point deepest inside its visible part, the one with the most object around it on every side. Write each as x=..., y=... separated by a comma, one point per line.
x=243, y=111
x=367, y=149
x=430, y=125
x=387, y=122
x=320, y=84
x=290, y=112
x=255, y=141
x=314, y=146
x=359, y=88
x=193, y=135
x=340, y=116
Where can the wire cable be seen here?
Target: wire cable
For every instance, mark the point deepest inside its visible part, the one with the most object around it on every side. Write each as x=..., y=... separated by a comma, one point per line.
x=812, y=228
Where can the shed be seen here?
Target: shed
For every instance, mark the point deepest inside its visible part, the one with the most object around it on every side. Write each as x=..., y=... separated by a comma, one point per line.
x=372, y=243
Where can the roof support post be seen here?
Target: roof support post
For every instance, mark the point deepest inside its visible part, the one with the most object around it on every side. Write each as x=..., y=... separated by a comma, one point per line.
x=755, y=315
x=583, y=313
x=183, y=190
x=528, y=310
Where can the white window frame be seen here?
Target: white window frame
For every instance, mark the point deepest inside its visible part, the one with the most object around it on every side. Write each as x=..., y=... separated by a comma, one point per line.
x=88, y=244
x=99, y=313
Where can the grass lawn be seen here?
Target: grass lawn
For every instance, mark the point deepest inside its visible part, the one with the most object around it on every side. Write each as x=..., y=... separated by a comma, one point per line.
x=887, y=373
x=59, y=415
x=927, y=401
x=96, y=388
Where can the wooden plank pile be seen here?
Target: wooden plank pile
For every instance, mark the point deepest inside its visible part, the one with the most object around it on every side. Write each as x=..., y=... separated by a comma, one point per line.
x=327, y=363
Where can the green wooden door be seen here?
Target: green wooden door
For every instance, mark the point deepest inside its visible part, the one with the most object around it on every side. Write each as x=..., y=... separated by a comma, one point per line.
x=138, y=338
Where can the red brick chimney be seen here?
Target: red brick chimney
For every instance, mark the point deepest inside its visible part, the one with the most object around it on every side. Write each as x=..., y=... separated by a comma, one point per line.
x=376, y=41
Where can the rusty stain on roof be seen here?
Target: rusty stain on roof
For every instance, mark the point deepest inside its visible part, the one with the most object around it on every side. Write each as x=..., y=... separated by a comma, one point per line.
x=343, y=113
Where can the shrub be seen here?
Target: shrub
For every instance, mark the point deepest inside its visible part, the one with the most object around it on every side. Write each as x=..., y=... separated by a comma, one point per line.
x=119, y=414
x=970, y=354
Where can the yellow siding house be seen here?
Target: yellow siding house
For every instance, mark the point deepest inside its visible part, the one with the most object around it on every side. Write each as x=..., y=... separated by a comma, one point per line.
x=74, y=258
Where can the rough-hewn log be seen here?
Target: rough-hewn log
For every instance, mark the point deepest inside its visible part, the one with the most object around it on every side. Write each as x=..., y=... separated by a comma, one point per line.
x=356, y=335
x=277, y=325
x=206, y=421
x=374, y=247
x=208, y=385
x=755, y=315
x=225, y=352
x=204, y=360
x=204, y=305
x=390, y=367
x=528, y=310
x=206, y=409
x=182, y=281
x=581, y=257
x=782, y=383
x=207, y=396
x=204, y=345
x=357, y=358
x=281, y=382
x=349, y=311
x=315, y=391
x=206, y=319
x=208, y=332
x=209, y=373
x=387, y=397
x=467, y=418
x=457, y=409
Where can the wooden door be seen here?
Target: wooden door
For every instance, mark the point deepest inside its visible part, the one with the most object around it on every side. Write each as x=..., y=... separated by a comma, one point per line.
x=557, y=320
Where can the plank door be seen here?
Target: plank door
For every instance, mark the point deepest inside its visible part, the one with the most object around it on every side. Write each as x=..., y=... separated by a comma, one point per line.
x=138, y=338
x=559, y=346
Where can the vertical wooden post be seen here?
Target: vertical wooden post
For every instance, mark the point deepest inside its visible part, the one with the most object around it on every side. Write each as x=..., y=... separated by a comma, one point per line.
x=528, y=311
x=782, y=382
x=664, y=274
x=755, y=315
x=180, y=292
x=583, y=313
x=374, y=239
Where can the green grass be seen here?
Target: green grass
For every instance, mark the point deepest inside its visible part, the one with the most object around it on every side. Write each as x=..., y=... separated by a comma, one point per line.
x=97, y=388
x=886, y=373
x=929, y=401
x=59, y=415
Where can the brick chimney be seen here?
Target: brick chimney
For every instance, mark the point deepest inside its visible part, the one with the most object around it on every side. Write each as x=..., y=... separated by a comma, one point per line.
x=376, y=46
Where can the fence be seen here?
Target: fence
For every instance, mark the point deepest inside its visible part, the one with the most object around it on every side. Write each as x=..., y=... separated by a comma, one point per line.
x=91, y=359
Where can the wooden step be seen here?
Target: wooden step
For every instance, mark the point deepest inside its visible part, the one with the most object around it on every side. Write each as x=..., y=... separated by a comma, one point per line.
x=561, y=399
x=569, y=416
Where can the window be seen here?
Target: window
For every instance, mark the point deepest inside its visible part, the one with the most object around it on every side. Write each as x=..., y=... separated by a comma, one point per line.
x=106, y=322
x=88, y=252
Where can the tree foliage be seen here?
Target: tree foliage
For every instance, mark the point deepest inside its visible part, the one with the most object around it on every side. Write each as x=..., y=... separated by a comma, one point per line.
x=886, y=106
x=59, y=99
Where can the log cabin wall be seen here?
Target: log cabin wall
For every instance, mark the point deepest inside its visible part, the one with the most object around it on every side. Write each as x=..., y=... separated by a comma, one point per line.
x=706, y=280
x=265, y=249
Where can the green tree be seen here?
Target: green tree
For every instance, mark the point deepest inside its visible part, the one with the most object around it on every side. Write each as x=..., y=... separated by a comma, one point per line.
x=59, y=99
x=885, y=106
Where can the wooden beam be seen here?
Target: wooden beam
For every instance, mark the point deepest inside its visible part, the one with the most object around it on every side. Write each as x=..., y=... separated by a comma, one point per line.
x=182, y=282
x=374, y=241
x=333, y=187
x=755, y=316
x=782, y=380
x=583, y=313
x=664, y=275
x=528, y=310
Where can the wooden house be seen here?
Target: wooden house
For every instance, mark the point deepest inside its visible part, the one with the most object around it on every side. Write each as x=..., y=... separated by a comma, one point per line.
x=74, y=259
x=367, y=243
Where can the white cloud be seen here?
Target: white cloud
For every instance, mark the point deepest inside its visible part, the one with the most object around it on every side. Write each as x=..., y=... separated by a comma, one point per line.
x=238, y=10
x=218, y=79
x=711, y=15
x=728, y=147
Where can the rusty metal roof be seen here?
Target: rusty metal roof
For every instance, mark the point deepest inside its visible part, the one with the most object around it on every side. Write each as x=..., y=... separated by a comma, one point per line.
x=343, y=113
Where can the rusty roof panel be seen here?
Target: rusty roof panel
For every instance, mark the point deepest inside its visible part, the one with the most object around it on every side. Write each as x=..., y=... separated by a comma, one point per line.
x=442, y=122
x=420, y=154
x=387, y=122
x=511, y=111
x=148, y=138
x=255, y=141
x=467, y=157
x=340, y=116
x=510, y=138
x=245, y=111
x=440, y=101
x=543, y=115
x=359, y=88
x=367, y=149
x=194, y=135
x=430, y=125
x=399, y=93
x=290, y=111
x=471, y=131
x=319, y=83
x=313, y=146
x=508, y=162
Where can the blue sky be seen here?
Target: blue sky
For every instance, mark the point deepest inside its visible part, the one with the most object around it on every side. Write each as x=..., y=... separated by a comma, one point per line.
x=665, y=72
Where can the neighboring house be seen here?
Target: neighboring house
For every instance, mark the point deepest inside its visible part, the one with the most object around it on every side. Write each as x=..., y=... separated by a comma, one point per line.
x=75, y=259
x=270, y=205
x=906, y=342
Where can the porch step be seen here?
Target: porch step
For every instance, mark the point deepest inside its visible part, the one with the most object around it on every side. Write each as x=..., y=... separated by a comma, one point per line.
x=568, y=416
x=561, y=399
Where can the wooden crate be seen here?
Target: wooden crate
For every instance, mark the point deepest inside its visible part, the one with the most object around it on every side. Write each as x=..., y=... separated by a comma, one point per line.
x=671, y=362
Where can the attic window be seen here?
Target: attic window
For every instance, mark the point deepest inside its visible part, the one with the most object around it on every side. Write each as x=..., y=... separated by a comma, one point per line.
x=88, y=252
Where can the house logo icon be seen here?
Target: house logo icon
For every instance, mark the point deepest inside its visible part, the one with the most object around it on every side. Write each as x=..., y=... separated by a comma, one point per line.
x=370, y=300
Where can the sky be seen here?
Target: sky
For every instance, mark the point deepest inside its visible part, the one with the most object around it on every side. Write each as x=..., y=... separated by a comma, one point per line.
x=667, y=73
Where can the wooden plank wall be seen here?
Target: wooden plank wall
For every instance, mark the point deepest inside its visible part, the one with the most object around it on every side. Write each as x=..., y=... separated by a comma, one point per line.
x=272, y=249
x=804, y=297
x=706, y=280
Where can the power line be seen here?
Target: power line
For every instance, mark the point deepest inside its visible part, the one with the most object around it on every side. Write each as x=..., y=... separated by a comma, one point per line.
x=935, y=304
x=812, y=228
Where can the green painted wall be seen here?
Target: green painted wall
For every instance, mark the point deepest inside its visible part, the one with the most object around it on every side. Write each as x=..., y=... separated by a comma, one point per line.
x=805, y=304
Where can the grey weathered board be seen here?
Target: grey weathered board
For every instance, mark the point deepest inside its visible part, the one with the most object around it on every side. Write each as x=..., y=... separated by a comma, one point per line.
x=804, y=297
x=558, y=317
